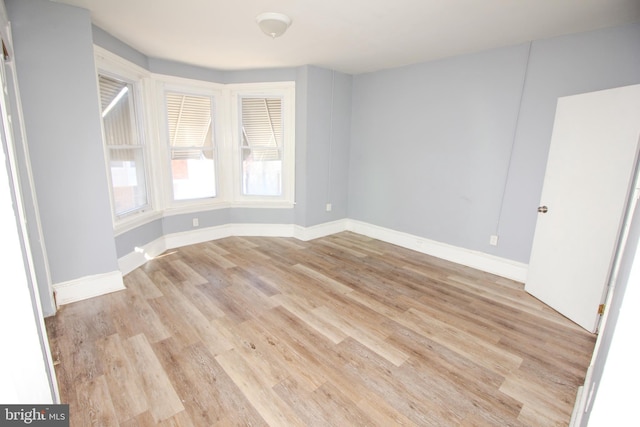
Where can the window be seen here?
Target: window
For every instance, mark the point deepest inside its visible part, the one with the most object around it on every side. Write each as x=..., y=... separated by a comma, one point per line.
x=203, y=145
x=262, y=139
x=124, y=146
x=191, y=144
x=265, y=143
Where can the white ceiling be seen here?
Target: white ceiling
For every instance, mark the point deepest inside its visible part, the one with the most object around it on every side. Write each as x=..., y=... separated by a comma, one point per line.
x=352, y=36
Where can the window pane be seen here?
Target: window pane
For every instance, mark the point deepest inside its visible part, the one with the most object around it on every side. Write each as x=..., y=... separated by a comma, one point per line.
x=193, y=174
x=262, y=136
x=127, y=179
x=190, y=127
x=261, y=172
x=117, y=112
x=125, y=150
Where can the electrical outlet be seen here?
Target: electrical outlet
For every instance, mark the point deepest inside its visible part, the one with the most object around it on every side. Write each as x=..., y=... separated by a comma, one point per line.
x=329, y=207
x=196, y=222
x=493, y=240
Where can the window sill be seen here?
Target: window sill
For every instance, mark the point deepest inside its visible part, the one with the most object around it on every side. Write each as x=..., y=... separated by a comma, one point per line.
x=187, y=207
x=264, y=204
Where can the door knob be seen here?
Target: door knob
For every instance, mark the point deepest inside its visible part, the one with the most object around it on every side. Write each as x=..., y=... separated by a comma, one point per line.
x=543, y=209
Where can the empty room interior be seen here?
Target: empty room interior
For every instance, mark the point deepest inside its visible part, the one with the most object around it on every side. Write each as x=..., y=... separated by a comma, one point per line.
x=277, y=212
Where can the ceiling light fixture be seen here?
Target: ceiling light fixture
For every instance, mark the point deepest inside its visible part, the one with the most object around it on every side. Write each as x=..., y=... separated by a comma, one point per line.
x=273, y=24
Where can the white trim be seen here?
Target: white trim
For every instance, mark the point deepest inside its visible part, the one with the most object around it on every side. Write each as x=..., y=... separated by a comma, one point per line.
x=287, y=92
x=142, y=218
x=109, y=61
x=316, y=231
x=14, y=184
x=87, y=287
x=488, y=263
x=201, y=235
x=113, y=66
x=584, y=398
x=19, y=122
x=141, y=255
x=150, y=89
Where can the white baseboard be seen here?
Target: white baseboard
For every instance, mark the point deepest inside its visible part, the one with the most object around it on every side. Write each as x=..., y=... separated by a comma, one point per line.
x=478, y=260
x=263, y=230
x=199, y=235
x=141, y=255
x=488, y=263
x=91, y=286
x=87, y=287
x=583, y=397
x=320, y=230
x=195, y=236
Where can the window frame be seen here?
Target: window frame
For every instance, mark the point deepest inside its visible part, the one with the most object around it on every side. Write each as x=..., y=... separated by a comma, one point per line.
x=196, y=88
x=285, y=91
x=214, y=98
x=112, y=66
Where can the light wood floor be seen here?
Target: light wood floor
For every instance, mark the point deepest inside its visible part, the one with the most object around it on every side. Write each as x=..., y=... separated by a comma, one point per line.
x=339, y=331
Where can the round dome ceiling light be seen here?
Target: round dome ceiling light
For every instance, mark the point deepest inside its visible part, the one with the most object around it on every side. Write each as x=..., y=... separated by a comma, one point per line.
x=273, y=24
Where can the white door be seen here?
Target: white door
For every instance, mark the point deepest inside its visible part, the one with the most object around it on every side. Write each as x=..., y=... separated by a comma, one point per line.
x=589, y=175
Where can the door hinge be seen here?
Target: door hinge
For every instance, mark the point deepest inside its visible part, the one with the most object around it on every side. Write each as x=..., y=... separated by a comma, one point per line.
x=601, y=309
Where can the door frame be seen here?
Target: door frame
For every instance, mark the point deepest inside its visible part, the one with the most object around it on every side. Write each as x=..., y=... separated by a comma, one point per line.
x=10, y=120
x=613, y=301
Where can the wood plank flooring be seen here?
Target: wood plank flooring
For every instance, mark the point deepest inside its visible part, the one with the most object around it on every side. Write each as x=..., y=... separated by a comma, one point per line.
x=339, y=331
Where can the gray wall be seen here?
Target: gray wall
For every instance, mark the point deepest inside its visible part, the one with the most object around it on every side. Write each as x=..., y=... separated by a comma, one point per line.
x=430, y=145
x=558, y=67
x=455, y=150
x=56, y=75
x=327, y=139
x=323, y=112
x=139, y=236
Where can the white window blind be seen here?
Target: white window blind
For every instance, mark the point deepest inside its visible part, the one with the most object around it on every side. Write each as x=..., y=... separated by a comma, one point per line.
x=262, y=144
x=189, y=119
x=125, y=151
x=191, y=144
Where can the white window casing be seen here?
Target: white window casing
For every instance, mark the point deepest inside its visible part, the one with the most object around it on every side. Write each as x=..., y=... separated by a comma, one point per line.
x=125, y=143
x=228, y=140
x=263, y=127
x=182, y=130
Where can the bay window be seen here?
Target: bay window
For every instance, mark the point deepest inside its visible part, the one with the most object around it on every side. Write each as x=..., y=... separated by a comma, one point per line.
x=202, y=146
